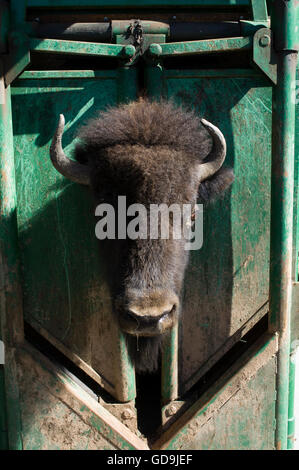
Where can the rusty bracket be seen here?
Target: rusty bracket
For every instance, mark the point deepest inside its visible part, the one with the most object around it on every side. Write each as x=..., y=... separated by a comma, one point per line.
x=264, y=54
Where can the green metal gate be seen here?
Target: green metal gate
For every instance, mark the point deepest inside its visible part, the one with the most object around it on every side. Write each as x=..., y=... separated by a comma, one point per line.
x=229, y=360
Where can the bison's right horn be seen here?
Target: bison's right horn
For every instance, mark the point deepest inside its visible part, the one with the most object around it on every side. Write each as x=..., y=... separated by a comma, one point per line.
x=72, y=170
x=216, y=158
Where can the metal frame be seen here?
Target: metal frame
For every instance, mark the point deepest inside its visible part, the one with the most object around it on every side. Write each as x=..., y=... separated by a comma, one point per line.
x=286, y=46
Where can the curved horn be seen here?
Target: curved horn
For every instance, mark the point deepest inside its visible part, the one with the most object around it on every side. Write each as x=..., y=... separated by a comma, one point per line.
x=216, y=157
x=68, y=168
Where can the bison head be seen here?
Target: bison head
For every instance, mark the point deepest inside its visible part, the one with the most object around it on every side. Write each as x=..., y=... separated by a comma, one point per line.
x=152, y=153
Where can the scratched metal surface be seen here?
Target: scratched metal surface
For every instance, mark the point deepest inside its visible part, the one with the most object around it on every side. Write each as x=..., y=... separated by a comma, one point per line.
x=226, y=284
x=65, y=293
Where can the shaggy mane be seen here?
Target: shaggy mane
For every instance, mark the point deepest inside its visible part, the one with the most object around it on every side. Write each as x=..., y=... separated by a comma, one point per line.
x=145, y=123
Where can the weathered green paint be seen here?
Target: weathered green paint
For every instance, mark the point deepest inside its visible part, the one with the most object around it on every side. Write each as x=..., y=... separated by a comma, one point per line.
x=285, y=19
x=291, y=403
x=222, y=417
x=247, y=101
x=200, y=47
x=200, y=88
x=296, y=194
x=233, y=426
x=56, y=221
x=295, y=289
x=61, y=46
x=37, y=74
x=230, y=261
x=58, y=414
x=10, y=306
x=259, y=10
x=169, y=384
x=282, y=206
x=264, y=54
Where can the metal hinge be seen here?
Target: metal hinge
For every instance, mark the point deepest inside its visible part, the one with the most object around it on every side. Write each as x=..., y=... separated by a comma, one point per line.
x=264, y=54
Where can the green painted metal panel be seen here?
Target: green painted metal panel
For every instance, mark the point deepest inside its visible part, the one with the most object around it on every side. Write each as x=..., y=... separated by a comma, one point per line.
x=296, y=187
x=66, y=296
x=200, y=47
x=81, y=48
x=259, y=10
x=245, y=422
x=219, y=305
x=57, y=414
x=11, y=331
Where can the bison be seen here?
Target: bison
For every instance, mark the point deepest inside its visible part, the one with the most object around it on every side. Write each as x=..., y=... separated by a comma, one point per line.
x=152, y=152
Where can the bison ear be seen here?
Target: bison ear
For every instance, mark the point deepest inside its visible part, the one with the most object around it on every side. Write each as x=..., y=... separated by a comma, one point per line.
x=212, y=188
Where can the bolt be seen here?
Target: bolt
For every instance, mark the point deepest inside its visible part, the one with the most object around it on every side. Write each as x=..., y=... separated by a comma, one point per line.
x=171, y=410
x=155, y=49
x=129, y=51
x=265, y=40
x=127, y=414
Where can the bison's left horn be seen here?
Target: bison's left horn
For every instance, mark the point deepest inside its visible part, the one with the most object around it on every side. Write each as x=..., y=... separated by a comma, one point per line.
x=68, y=168
x=216, y=157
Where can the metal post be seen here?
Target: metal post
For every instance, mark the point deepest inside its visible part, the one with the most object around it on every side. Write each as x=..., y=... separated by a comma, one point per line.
x=282, y=204
x=11, y=325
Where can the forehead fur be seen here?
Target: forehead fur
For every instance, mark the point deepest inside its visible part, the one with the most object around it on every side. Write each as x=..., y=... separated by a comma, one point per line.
x=147, y=123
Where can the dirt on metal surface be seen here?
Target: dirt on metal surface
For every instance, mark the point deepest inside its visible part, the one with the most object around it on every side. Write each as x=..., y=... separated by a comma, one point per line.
x=57, y=413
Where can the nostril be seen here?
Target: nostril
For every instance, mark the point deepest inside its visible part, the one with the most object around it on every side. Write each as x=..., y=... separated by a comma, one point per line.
x=150, y=318
x=148, y=321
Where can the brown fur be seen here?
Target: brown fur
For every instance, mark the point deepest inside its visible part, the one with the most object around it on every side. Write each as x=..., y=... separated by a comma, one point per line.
x=149, y=152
